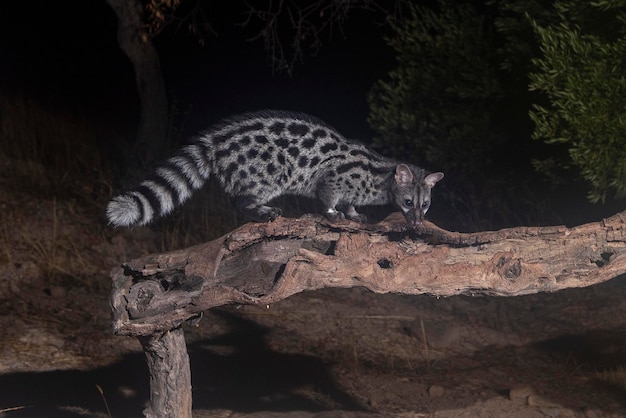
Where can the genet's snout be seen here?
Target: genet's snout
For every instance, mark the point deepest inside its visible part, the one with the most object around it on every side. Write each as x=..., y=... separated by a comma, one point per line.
x=414, y=218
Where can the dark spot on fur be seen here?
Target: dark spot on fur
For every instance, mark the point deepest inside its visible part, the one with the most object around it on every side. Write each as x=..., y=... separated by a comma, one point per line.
x=314, y=161
x=326, y=148
x=261, y=139
x=366, y=155
x=319, y=133
x=308, y=143
x=347, y=167
x=282, y=142
x=298, y=129
x=234, y=147
x=277, y=128
x=219, y=154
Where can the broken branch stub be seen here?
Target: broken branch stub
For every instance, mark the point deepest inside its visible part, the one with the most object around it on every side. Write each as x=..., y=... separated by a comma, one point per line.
x=262, y=263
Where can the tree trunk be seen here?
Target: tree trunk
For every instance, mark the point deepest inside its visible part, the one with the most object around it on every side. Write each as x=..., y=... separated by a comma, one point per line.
x=170, y=375
x=135, y=41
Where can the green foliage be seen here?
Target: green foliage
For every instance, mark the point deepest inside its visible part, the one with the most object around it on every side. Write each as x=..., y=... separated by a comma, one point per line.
x=582, y=73
x=519, y=44
x=443, y=93
x=444, y=107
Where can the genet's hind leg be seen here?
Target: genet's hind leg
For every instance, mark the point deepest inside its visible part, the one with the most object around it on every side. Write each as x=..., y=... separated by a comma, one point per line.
x=249, y=207
x=327, y=194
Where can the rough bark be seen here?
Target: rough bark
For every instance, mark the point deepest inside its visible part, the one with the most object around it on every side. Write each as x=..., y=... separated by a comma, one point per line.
x=170, y=375
x=135, y=41
x=264, y=263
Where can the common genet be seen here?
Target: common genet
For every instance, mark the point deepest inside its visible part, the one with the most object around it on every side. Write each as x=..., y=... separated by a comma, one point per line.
x=259, y=156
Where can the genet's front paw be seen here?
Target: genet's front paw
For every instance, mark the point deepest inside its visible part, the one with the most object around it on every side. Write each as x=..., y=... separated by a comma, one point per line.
x=335, y=216
x=268, y=214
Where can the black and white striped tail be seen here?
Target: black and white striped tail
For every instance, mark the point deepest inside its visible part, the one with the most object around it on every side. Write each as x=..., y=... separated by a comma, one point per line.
x=170, y=185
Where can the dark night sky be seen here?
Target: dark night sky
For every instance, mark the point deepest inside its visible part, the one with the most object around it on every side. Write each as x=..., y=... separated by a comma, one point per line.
x=67, y=52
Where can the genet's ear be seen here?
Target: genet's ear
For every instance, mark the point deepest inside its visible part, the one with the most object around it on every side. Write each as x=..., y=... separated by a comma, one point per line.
x=432, y=179
x=403, y=176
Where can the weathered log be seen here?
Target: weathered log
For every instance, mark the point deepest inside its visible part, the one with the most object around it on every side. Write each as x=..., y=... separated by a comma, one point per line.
x=261, y=263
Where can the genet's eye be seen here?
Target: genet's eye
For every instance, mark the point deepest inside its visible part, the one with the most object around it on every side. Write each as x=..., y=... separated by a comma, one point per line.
x=408, y=203
x=425, y=204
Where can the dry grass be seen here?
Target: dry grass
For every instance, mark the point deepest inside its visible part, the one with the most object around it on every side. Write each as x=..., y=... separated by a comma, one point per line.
x=57, y=254
x=615, y=376
x=50, y=150
x=55, y=180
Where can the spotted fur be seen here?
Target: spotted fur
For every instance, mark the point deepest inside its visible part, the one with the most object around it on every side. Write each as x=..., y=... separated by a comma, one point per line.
x=257, y=157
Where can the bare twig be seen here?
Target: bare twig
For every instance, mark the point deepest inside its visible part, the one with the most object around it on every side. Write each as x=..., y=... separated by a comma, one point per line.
x=303, y=26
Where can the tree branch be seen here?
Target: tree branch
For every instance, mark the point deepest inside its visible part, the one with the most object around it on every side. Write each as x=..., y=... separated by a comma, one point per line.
x=262, y=263
x=303, y=25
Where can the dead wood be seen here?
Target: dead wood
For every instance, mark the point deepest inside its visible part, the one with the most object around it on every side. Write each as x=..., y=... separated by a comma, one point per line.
x=261, y=263
x=170, y=375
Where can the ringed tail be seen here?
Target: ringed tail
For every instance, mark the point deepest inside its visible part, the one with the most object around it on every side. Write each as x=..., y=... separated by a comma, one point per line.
x=169, y=186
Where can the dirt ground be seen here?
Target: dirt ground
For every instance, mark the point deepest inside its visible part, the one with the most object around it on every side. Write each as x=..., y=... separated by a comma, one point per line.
x=329, y=353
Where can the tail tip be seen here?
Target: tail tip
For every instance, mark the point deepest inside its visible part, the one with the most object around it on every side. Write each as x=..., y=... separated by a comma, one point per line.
x=123, y=211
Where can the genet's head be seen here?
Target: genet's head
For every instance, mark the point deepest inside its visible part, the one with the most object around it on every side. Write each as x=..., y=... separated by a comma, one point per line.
x=411, y=194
